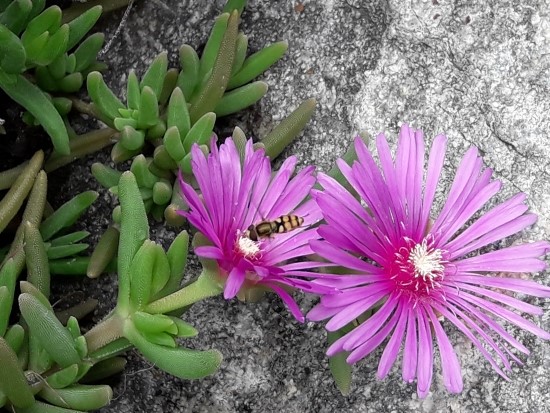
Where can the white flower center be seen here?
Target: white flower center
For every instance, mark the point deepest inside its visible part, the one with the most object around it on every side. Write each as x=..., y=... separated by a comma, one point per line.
x=427, y=262
x=248, y=247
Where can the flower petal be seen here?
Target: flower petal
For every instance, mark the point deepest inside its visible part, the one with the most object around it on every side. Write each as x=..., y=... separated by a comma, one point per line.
x=234, y=282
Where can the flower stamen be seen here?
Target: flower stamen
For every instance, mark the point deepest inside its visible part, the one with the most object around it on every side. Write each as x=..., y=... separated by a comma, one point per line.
x=427, y=262
x=247, y=247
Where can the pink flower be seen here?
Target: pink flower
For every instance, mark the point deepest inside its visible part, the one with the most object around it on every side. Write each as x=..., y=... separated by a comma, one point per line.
x=415, y=273
x=235, y=196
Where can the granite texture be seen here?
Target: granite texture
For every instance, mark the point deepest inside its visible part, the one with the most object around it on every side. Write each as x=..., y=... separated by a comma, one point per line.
x=475, y=70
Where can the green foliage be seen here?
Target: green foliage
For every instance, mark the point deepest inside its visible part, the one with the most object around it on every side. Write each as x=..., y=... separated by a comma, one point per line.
x=174, y=109
x=148, y=277
x=48, y=365
x=34, y=43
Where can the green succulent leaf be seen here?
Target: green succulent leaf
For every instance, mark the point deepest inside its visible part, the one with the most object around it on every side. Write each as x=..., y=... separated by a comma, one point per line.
x=110, y=350
x=154, y=323
x=258, y=63
x=178, y=114
x=207, y=285
x=35, y=101
x=240, y=98
x=180, y=362
x=78, y=396
x=120, y=154
x=37, y=8
x=240, y=53
x=201, y=132
x=190, y=67
x=82, y=25
x=8, y=277
x=71, y=83
x=58, y=67
x=54, y=47
x=185, y=330
x=148, y=108
x=157, y=131
x=104, y=253
x=6, y=302
x=290, y=127
x=104, y=99
x=154, y=76
x=40, y=407
x=13, y=383
x=45, y=80
x=140, y=168
x=12, y=53
x=47, y=21
x=162, y=158
x=238, y=5
x=37, y=260
x=162, y=192
x=8, y=177
x=86, y=53
x=173, y=144
x=63, y=105
x=170, y=83
x=64, y=251
x=69, y=239
x=43, y=323
x=171, y=212
x=213, y=44
x=164, y=340
x=134, y=230
x=63, y=378
x=177, y=259
x=141, y=273
x=125, y=122
x=69, y=266
x=161, y=270
x=212, y=91
x=105, y=175
x=131, y=138
x=103, y=369
x=239, y=138
x=14, y=17
x=133, y=91
x=67, y=214
x=15, y=337
x=339, y=368
x=13, y=200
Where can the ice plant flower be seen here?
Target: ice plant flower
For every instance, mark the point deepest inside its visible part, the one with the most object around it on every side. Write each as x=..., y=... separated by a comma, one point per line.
x=235, y=196
x=415, y=272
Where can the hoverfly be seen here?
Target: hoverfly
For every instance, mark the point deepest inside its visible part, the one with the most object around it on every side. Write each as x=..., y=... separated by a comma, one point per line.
x=265, y=229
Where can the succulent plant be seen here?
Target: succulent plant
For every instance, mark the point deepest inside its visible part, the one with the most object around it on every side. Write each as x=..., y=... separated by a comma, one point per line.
x=34, y=42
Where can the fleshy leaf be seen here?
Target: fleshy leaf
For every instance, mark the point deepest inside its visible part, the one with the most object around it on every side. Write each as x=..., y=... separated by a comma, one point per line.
x=134, y=230
x=35, y=101
x=13, y=383
x=180, y=362
x=54, y=338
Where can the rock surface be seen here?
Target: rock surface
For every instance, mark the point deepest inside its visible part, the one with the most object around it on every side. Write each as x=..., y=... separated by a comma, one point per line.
x=477, y=71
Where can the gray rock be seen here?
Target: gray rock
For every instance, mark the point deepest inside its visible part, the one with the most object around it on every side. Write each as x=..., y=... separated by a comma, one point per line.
x=477, y=71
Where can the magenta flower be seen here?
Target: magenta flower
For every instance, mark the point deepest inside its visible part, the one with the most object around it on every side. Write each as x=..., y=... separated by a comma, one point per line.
x=235, y=196
x=416, y=273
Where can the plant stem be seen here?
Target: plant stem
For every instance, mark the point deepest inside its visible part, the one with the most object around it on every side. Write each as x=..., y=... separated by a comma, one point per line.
x=81, y=146
x=84, y=107
x=204, y=287
x=107, y=331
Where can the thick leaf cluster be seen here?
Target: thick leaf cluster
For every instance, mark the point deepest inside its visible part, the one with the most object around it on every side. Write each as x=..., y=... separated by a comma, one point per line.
x=33, y=41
